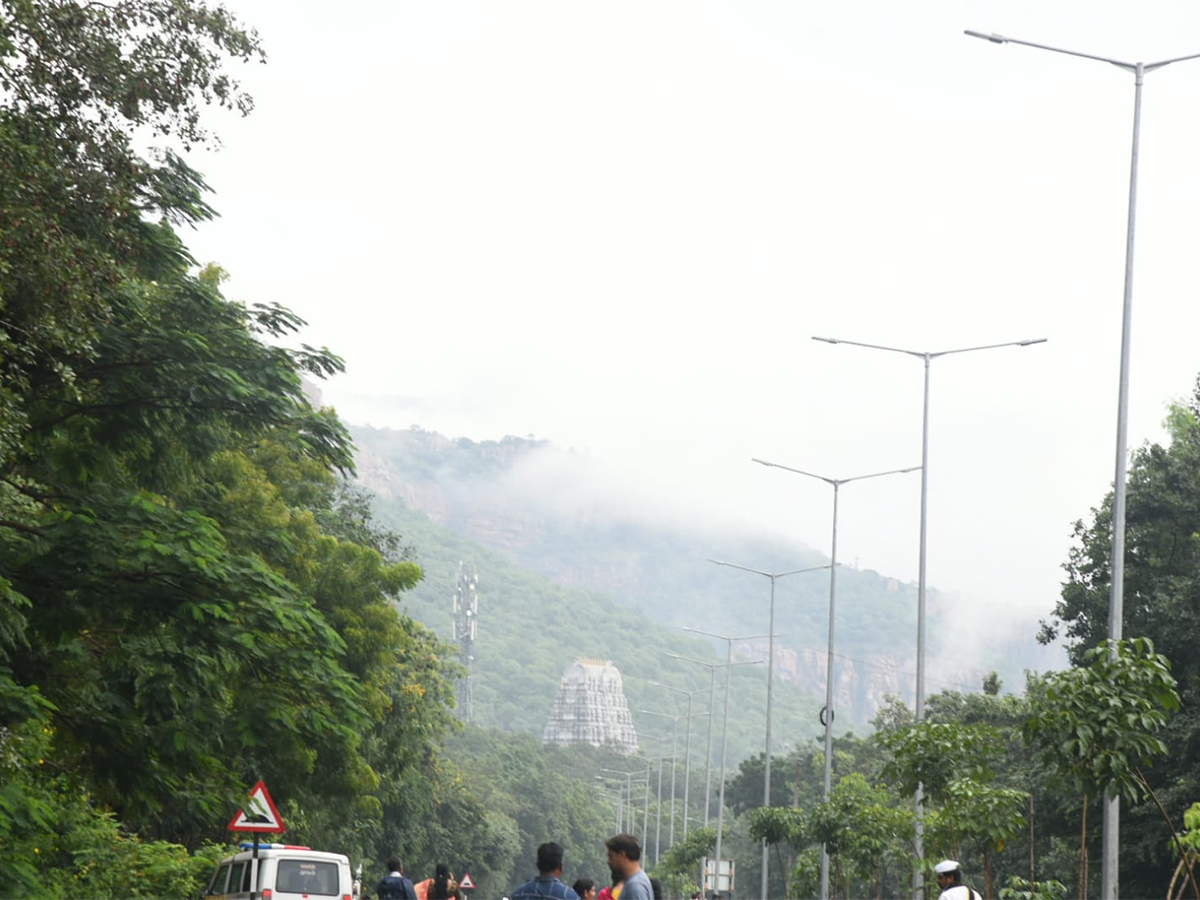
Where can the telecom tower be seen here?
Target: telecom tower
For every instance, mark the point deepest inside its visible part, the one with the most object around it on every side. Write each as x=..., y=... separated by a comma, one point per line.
x=466, y=628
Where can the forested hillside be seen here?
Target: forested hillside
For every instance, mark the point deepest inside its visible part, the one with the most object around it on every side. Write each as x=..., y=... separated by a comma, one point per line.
x=505, y=496
x=531, y=629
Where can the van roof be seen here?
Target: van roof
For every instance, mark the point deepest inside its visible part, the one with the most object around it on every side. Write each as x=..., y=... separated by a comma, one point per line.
x=266, y=851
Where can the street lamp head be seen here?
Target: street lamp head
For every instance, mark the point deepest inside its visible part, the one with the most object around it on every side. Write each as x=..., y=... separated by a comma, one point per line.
x=1031, y=341
x=827, y=340
x=994, y=38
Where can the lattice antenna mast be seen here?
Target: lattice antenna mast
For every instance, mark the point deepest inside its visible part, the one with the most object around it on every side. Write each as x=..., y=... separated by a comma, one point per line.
x=466, y=629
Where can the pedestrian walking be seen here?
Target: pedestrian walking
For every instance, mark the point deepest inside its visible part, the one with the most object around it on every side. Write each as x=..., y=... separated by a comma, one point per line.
x=394, y=886
x=549, y=881
x=624, y=858
x=949, y=879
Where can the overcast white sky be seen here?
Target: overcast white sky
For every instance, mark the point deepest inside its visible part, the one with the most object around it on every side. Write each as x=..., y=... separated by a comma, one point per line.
x=617, y=225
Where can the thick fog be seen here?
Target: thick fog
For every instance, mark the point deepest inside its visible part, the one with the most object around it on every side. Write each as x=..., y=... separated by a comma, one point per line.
x=617, y=226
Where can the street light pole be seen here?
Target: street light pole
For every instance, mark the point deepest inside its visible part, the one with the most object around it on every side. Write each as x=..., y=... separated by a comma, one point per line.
x=646, y=810
x=724, y=732
x=927, y=357
x=625, y=822
x=687, y=748
x=836, y=483
x=1116, y=598
x=658, y=813
x=620, y=809
x=770, y=679
x=674, y=730
x=712, y=682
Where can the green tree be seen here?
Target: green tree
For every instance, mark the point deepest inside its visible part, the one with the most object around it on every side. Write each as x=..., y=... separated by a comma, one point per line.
x=864, y=831
x=77, y=81
x=985, y=817
x=1095, y=726
x=1162, y=603
x=782, y=828
x=935, y=756
x=680, y=865
x=189, y=598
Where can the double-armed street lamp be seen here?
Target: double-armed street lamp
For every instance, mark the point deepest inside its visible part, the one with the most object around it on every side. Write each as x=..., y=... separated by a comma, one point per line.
x=836, y=483
x=927, y=357
x=1109, y=869
x=625, y=804
x=646, y=807
x=657, y=806
x=674, y=729
x=725, y=726
x=626, y=811
x=617, y=795
x=687, y=749
x=773, y=576
x=712, y=682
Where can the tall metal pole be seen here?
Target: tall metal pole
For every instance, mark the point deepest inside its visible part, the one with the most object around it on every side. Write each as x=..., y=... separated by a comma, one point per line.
x=724, y=730
x=1110, y=854
x=724, y=733
x=687, y=765
x=627, y=814
x=687, y=751
x=712, y=689
x=1109, y=887
x=927, y=357
x=712, y=671
x=646, y=811
x=836, y=484
x=674, y=742
x=674, y=731
x=828, y=761
x=658, y=814
x=919, y=795
x=773, y=576
x=633, y=810
x=712, y=686
x=609, y=792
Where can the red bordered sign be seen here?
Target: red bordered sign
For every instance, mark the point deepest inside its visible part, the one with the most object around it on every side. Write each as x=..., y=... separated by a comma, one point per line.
x=259, y=814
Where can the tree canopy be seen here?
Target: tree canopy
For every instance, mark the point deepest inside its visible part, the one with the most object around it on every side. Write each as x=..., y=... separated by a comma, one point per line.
x=191, y=597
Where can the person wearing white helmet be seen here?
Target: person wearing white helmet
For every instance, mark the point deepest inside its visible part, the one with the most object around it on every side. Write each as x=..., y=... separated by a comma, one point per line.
x=949, y=879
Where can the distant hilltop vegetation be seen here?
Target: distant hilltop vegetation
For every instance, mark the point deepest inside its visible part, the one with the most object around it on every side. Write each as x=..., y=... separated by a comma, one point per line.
x=539, y=509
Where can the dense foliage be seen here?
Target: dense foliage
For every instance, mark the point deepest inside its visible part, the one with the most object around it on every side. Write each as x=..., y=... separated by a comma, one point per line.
x=193, y=596
x=1162, y=603
x=190, y=598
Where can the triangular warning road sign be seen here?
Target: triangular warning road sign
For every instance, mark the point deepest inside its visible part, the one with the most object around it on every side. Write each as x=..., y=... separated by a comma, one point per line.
x=465, y=882
x=260, y=814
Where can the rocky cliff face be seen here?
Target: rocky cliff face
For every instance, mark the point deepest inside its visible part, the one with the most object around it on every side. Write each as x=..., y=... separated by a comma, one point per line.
x=860, y=686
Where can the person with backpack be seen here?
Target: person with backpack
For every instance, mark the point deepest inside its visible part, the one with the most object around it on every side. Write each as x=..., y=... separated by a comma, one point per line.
x=394, y=886
x=949, y=879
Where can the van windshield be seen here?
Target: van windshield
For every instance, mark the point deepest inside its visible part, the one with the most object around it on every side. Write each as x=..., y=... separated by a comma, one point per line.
x=307, y=876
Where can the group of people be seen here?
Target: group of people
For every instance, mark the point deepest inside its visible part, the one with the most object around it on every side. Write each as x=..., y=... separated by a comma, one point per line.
x=395, y=886
x=629, y=881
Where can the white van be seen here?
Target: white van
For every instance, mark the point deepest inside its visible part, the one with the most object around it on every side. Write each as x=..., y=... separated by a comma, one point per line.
x=280, y=872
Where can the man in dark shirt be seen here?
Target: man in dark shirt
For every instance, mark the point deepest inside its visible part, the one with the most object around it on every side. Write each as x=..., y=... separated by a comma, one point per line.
x=549, y=882
x=395, y=886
